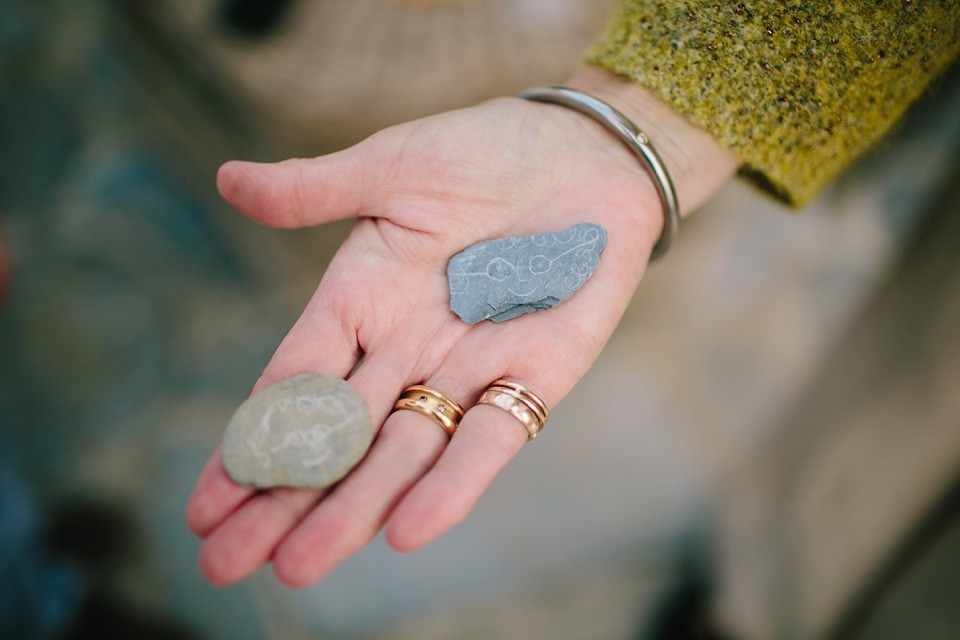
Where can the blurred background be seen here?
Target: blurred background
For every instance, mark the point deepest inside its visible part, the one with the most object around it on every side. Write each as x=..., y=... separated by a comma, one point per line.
x=774, y=429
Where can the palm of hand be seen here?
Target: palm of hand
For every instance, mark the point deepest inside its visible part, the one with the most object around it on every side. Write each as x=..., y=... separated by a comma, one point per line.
x=423, y=192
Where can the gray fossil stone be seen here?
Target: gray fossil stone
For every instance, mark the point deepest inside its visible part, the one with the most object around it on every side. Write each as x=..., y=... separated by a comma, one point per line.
x=308, y=431
x=507, y=277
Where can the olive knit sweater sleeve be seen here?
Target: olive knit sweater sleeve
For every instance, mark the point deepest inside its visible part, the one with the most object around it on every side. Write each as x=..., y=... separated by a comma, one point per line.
x=797, y=90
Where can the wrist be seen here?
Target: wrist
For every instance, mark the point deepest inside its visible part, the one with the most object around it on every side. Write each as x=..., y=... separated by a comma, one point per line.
x=697, y=163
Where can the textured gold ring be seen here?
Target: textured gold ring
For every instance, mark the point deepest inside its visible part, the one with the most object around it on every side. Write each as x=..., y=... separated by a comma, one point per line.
x=442, y=409
x=520, y=402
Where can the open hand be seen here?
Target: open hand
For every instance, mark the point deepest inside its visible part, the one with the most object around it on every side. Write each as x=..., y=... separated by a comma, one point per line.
x=421, y=193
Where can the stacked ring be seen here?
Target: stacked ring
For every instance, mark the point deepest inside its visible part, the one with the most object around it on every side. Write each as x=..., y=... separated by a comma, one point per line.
x=519, y=402
x=433, y=404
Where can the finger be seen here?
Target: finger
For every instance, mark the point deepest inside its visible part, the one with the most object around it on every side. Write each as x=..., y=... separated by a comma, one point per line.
x=408, y=444
x=417, y=346
x=322, y=340
x=241, y=536
x=243, y=530
x=319, y=342
x=214, y=497
x=488, y=437
x=245, y=541
x=299, y=192
x=351, y=515
x=486, y=440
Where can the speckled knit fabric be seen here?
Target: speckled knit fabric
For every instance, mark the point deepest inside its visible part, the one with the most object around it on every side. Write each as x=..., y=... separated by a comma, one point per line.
x=798, y=90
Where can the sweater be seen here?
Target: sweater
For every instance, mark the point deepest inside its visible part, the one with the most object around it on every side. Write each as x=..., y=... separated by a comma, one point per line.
x=797, y=90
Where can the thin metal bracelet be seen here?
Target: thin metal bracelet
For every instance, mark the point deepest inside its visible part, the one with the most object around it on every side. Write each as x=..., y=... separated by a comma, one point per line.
x=634, y=138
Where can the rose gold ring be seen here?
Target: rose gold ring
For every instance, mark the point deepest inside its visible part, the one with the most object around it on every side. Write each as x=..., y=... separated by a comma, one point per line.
x=518, y=401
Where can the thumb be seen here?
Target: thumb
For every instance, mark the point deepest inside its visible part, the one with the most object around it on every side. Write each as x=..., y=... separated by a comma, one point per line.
x=298, y=192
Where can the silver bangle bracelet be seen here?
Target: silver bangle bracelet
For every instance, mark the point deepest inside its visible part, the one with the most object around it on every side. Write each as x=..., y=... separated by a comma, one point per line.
x=634, y=138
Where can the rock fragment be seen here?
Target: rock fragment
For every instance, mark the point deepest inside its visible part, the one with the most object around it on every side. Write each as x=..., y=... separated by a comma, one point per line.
x=507, y=277
x=308, y=431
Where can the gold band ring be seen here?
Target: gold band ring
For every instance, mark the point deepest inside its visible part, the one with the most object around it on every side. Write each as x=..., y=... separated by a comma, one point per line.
x=440, y=408
x=519, y=402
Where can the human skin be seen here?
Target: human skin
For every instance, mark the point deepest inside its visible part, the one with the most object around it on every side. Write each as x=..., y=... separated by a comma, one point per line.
x=422, y=192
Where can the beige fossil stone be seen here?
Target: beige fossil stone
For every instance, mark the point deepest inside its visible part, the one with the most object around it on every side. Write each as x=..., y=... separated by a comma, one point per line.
x=308, y=431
